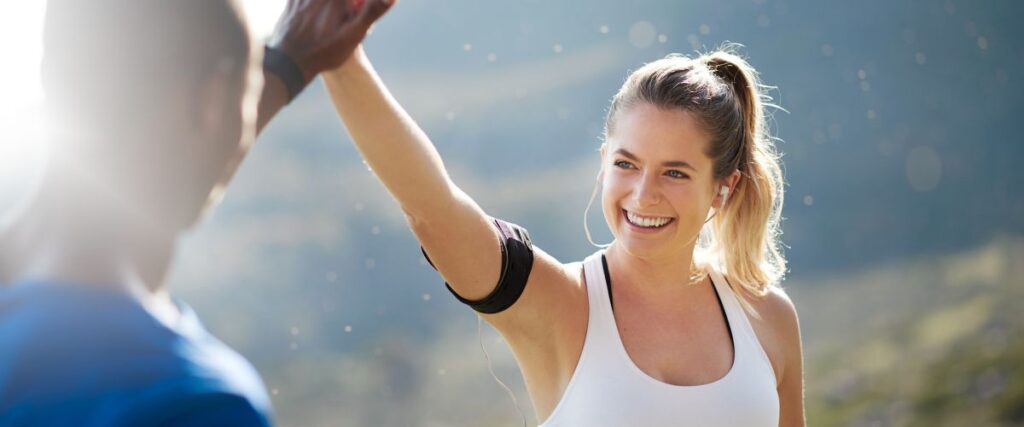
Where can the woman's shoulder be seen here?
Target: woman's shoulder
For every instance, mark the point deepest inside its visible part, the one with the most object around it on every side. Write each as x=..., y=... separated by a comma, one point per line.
x=778, y=328
x=773, y=317
x=776, y=304
x=773, y=304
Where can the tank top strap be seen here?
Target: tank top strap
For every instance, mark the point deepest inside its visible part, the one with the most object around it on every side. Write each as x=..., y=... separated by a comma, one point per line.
x=748, y=349
x=597, y=291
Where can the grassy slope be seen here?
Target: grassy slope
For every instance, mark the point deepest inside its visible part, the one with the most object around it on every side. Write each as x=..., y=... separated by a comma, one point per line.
x=937, y=342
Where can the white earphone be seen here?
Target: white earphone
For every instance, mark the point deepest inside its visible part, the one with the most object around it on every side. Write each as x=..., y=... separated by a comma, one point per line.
x=724, y=192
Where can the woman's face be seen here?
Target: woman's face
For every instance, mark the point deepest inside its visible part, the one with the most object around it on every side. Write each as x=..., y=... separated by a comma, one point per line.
x=657, y=181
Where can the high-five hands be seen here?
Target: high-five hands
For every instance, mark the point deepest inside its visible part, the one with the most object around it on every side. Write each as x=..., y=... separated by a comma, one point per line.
x=320, y=35
x=312, y=36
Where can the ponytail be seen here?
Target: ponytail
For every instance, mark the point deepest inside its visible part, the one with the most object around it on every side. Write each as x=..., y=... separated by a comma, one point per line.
x=745, y=233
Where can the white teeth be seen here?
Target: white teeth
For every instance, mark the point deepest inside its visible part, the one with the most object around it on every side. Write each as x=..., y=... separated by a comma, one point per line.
x=650, y=222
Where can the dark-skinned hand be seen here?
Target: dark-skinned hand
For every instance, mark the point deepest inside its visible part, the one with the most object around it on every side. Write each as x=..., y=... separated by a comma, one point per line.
x=320, y=35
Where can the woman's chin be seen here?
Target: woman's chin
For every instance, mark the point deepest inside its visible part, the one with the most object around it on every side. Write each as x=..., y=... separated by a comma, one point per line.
x=651, y=247
x=642, y=248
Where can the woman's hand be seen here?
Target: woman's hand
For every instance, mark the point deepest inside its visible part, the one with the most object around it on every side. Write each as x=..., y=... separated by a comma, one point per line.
x=320, y=35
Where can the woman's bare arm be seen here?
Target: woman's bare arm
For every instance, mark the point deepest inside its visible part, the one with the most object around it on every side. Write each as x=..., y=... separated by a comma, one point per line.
x=791, y=384
x=459, y=237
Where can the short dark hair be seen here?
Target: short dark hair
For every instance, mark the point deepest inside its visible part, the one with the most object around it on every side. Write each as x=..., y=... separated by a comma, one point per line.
x=110, y=62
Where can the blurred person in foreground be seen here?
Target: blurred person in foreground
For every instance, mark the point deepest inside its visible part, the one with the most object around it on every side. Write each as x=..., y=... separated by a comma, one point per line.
x=661, y=328
x=153, y=104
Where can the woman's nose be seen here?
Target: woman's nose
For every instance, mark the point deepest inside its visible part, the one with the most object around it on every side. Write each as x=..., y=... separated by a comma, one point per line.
x=646, y=192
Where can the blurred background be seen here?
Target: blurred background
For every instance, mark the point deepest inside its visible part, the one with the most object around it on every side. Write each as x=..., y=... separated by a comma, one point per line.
x=904, y=218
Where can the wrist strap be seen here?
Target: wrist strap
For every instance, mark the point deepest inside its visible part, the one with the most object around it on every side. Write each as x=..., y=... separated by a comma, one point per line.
x=284, y=67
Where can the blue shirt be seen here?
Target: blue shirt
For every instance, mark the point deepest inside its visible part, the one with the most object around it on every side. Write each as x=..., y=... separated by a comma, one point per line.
x=79, y=356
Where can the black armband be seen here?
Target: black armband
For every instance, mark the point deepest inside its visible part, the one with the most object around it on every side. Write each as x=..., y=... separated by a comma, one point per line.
x=285, y=68
x=516, y=264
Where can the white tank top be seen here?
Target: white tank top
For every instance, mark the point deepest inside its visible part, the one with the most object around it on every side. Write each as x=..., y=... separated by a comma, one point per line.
x=608, y=389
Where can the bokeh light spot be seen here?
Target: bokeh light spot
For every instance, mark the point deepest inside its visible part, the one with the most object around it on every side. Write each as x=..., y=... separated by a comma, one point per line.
x=924, y=169
x=642, y=34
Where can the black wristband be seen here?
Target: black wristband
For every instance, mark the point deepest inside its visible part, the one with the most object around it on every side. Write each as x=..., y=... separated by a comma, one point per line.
x=286, y=69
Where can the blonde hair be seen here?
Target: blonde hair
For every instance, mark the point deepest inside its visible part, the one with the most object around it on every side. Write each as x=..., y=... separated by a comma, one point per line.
x=723, y=91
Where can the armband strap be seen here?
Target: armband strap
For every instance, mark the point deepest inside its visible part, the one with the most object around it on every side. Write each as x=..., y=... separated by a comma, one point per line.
x=516, y=264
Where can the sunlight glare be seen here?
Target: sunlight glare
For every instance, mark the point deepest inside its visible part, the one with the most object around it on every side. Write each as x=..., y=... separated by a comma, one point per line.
x=22, y=148
x=263, y=15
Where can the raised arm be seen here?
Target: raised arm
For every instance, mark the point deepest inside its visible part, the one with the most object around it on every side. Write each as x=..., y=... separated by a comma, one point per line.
x=459, y=237
x=546, y=325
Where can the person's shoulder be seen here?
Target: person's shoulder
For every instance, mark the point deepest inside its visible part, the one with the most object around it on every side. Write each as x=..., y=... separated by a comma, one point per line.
x=212, y=364
x=777, y=310
x=777, y=303
x=204, y=382
x=778, y=314
x=198, y=407
x=773, y=306
x=60, y=338
x=224, y=369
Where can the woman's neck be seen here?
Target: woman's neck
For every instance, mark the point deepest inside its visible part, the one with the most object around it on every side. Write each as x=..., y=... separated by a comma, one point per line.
x=656, y=275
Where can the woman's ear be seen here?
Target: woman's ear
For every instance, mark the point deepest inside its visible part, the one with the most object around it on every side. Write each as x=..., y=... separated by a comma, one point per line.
x=730, y=184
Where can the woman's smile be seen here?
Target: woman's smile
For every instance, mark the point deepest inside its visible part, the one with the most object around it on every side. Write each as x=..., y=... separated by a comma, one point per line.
x=646, y=223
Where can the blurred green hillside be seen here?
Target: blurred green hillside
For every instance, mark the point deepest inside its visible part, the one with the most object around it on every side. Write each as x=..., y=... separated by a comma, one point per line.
x=934, y=342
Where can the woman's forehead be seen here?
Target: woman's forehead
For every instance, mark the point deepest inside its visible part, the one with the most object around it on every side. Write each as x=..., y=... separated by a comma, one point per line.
x=657, y=134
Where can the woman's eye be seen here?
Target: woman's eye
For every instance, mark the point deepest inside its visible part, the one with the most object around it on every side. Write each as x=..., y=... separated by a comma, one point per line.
x=676, y=174
x=622, y=164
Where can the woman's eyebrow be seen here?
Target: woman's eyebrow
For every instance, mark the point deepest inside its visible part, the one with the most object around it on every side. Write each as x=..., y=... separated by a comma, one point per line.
x=671, y=163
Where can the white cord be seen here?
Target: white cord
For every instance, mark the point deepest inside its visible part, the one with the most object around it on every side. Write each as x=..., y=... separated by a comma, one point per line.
x=586, y=213
x=480, y=336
